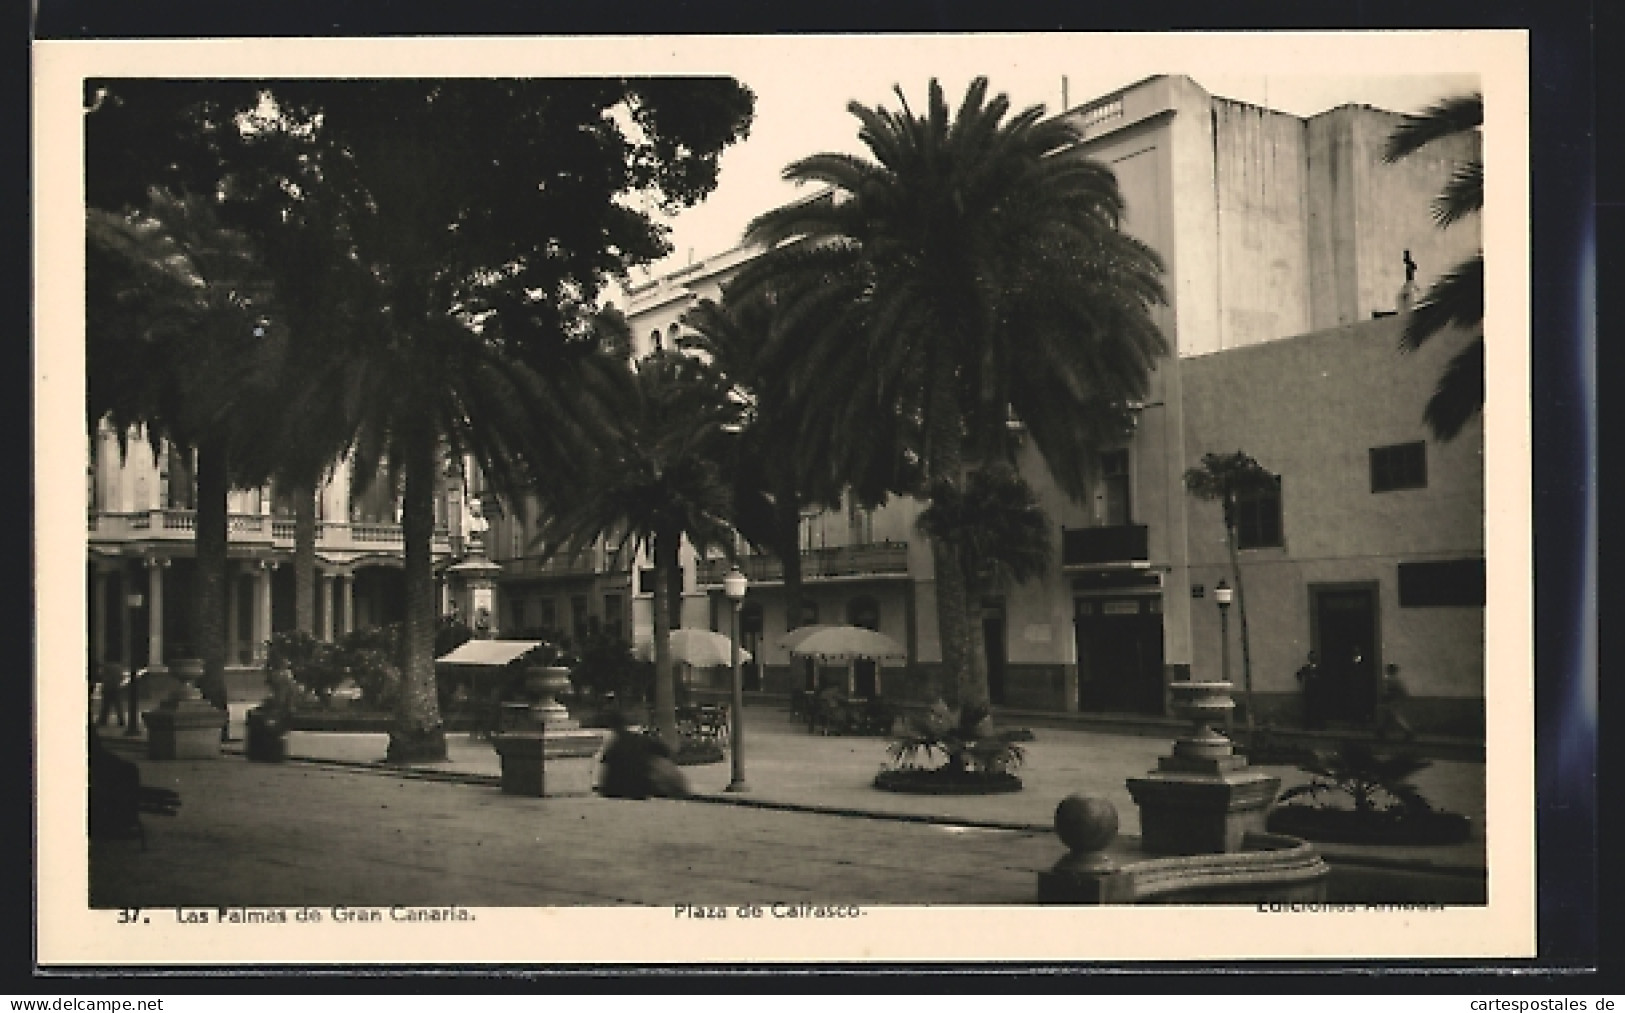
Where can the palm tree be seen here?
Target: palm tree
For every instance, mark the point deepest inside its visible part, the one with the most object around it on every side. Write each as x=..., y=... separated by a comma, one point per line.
x=1457, y=298
x=999, y=534
x=782, y=460
x=180, y=342
x=1228, y=478
x=974, y=267
x=653, y=480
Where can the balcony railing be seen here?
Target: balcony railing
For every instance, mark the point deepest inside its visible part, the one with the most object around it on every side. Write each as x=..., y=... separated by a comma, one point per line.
x=869, y=559
x=564, y=564
x=1118, y=544
x=181, y=525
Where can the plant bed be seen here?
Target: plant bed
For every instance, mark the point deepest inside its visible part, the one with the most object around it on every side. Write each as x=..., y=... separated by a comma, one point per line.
x=946, y=781
x=1331, y=825
x=1386, y=808
x=979, y=760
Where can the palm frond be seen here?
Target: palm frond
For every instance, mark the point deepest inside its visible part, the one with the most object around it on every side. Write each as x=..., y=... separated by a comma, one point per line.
x=1449, y=116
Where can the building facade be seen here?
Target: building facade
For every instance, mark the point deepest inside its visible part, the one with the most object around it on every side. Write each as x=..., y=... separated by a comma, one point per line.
x=142, y=559
x=1284, y=238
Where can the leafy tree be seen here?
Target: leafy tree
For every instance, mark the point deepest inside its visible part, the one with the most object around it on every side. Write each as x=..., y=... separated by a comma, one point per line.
x=1457, y=298
x=973, y=267
x=652, y=481
x=179, y=344
x=1227, y=478
x=478, y=220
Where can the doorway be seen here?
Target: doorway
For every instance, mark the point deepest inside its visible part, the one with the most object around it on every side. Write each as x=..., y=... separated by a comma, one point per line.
x=1119, y=643
x=993, y=648
x=1345, y=637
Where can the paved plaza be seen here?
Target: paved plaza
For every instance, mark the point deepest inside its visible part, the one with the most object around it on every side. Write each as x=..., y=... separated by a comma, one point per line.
x=336, y=826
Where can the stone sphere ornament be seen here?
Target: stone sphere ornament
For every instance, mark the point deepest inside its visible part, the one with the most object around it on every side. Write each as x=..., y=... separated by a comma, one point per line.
x=1086, y=824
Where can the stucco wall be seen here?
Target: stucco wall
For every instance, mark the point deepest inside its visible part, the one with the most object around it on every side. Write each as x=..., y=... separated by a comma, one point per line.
x=1258, y=184
x=1310, y=409
x=1364, y=213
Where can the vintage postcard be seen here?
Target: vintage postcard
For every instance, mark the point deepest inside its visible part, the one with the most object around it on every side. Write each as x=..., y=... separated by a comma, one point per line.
x=744, y=500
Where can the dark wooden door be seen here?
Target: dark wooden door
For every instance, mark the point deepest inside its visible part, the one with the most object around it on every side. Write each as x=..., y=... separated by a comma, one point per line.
x=993, y=645
x=1120, y=655
x=1345, y=637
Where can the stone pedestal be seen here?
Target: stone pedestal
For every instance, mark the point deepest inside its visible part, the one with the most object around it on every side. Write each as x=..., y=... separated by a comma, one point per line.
x=1202, y=798
x=184, y=730
x=548, y=762
x=185, y=726
x=552, y=754
x=1185, y=814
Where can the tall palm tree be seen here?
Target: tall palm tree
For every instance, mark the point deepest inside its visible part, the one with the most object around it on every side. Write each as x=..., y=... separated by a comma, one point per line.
x=1227, y=478
x=181, y=341
x=1457, y=298
x=972, y=267
x=999, y=533
x=782, y=460
x=653, y=480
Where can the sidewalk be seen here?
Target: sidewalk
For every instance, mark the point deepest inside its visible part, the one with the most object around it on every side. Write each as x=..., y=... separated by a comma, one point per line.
x=787, y=768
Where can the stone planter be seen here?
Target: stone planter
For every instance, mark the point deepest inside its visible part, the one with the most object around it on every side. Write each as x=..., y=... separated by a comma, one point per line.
x=547, y=683
x=185, y=726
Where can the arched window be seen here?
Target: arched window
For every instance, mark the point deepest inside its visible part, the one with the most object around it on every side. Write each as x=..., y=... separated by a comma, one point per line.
x=654, y=340
x=863, y=611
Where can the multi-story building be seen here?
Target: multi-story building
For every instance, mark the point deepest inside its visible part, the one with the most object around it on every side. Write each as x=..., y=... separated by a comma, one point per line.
x=1284, y=239
x=143, y=565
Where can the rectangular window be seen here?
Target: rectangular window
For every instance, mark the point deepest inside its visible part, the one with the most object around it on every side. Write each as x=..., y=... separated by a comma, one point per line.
x=1458, y=582
x=1258, y=518
x=612, y=616
x=547, y=616
x=1401, y=466
x=1114, y=489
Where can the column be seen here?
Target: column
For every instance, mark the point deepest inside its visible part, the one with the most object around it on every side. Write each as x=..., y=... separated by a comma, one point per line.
x=125, y=586
x=347, y=601
x=98, y=616
x=262, y=608
x=327, y=607
x=155, y=610
x=234, y=640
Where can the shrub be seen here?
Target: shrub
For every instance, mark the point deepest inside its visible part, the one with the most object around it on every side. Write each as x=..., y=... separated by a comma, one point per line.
x=372, y=657
x=968, y=743
x=314, y=664
x=608, y=668
x=1372, y=782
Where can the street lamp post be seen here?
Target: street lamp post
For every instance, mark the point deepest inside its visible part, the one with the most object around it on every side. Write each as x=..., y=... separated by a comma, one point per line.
x=733, y=585
x=1222, y=595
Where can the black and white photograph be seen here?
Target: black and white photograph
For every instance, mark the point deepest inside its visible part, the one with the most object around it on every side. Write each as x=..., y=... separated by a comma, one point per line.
x=1047, y=497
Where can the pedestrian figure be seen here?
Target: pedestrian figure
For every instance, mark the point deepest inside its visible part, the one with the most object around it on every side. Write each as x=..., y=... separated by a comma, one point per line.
x=1312, y=682
x=638, y=766
x=1390, y=706
x=112, y=678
